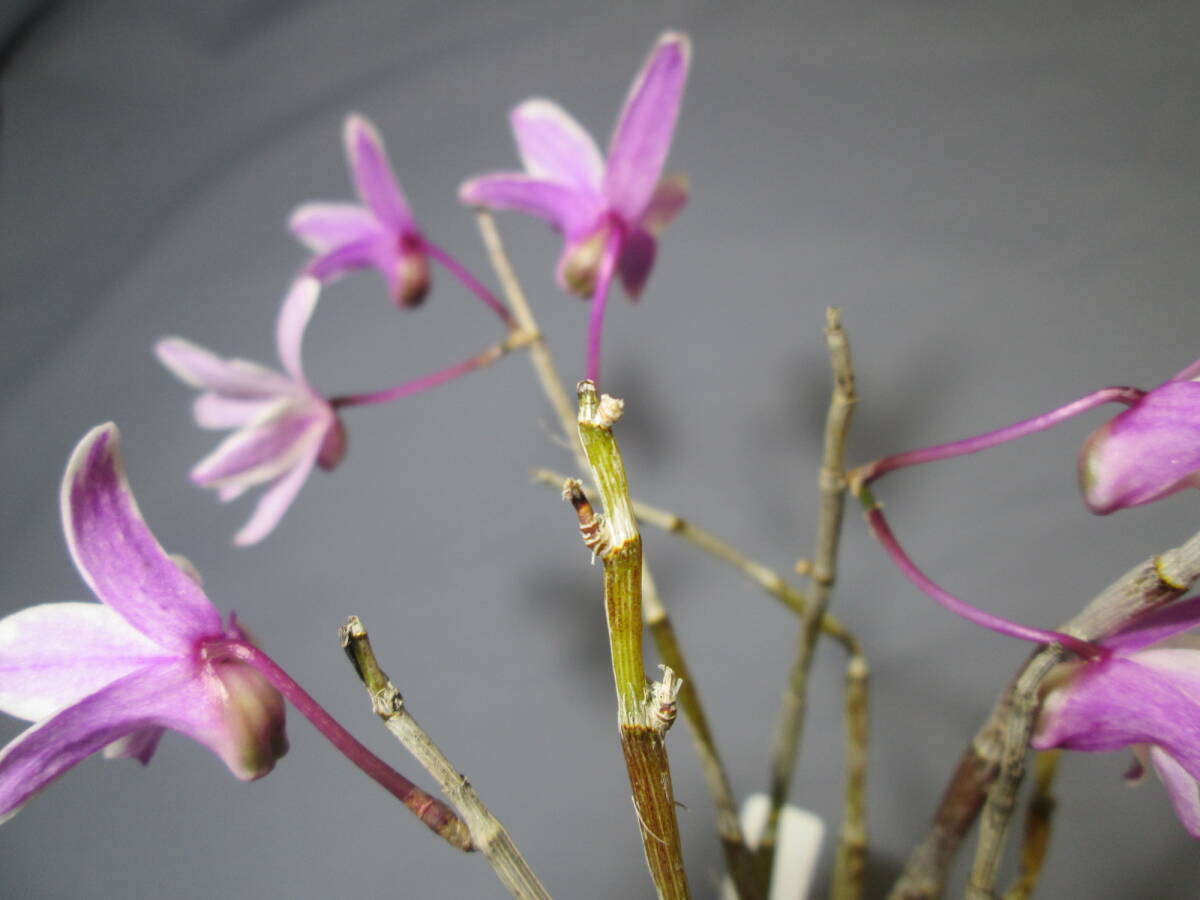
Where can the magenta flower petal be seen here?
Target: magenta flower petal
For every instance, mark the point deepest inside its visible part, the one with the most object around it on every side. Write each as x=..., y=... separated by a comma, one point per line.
x=636, y=261
x=569, y=210
x=1185, y=797
x=1145, y=453
x=554, y=147
x=279, y=496
x=372, y=173
x=117, y=555
x=259, y=452
x=203, y=369
x=218, y=412
x=324, y=226
x=139, y=745
x=642, y=137
x=667, y=202
x=294, y=316
x=1159, y=626
x=56, y=654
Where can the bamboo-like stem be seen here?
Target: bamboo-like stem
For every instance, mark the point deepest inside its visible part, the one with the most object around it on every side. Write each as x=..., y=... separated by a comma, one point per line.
x=790, y=723
x=539, y=353
x=1148, y=586
x=745, y=876
x=1038, y=820
x=850, y=866
x=487, y=834
x=642, y=716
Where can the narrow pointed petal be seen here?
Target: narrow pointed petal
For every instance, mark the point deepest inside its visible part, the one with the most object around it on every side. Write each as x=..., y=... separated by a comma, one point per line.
x=56, y=654
x=642, y=137
x=372, y=173
x=323, y=226
x=278, y=498
x=202, y=369
x=257, y=453
x=294, y=316
x=217, y=412
x=553, y=146
x=334, y=263
x=637, y=259
x=667, y=202
x=569, y=210
x=1149, y=451
x=1185, y=796
x=118, y=556
x=1173, y=620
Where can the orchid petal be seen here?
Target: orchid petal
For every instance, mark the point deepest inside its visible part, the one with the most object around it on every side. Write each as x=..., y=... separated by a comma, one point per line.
x=642, y=137
x=1150, y=698
x=1191, y=373
x=568, y=209
x=258, y=452
x=118, y=556
x=335, y=263
x=1145, y=453
x=294, y=316
x=277, y=498
x=203, y=369
x=217, y=412
x=555, y=147
x=323, y=226
x=56, y=654
x=636, y=261
x=372, y=173
x=1185, y=796
x=1158, y=626
x=667, y=202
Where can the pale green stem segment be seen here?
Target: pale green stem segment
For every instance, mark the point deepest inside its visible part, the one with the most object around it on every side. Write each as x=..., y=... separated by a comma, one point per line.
x=487, y=834
x=644, y=712
x=991, y=767
x=790, y=725
x=1038, y=820
x=746, y=877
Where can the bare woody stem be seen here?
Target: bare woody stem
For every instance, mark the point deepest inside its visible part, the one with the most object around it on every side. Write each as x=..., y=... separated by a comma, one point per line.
x=790, y=723
x=643, y=716
x=733, y=844
x=1148, y=586
x=487, y=834
x=433, y=813
x=1038, y=820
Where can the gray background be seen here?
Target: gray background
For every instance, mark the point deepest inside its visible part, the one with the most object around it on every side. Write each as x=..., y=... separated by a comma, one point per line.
x=1001, y=197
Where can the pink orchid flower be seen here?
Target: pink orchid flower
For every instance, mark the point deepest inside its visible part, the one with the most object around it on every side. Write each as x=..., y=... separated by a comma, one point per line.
x=1147, y=452
x=152, y=655
x=609, y=212
x=283, y=427
x=380, y=234
x=1145, y=695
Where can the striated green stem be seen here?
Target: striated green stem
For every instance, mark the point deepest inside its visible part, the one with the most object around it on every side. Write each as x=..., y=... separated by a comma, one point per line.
x=643, y=715
x=487, y=834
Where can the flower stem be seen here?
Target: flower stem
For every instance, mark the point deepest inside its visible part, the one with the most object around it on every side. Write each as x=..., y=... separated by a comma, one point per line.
x=436, y=816
x=883, y=533
x=641, y=719
x=487, y=834
x=1038, y=821
x=408, y=388
x=608, y=266
x=868, y=473
x=473, y=284
x=790, y=724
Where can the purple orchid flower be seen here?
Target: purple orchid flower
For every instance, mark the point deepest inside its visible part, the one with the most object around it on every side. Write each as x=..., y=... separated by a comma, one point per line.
x=608, y=212
x=380, y=234
x=1147, y=452
x=284, y=427
x=152, y=655
x=1145, y=695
